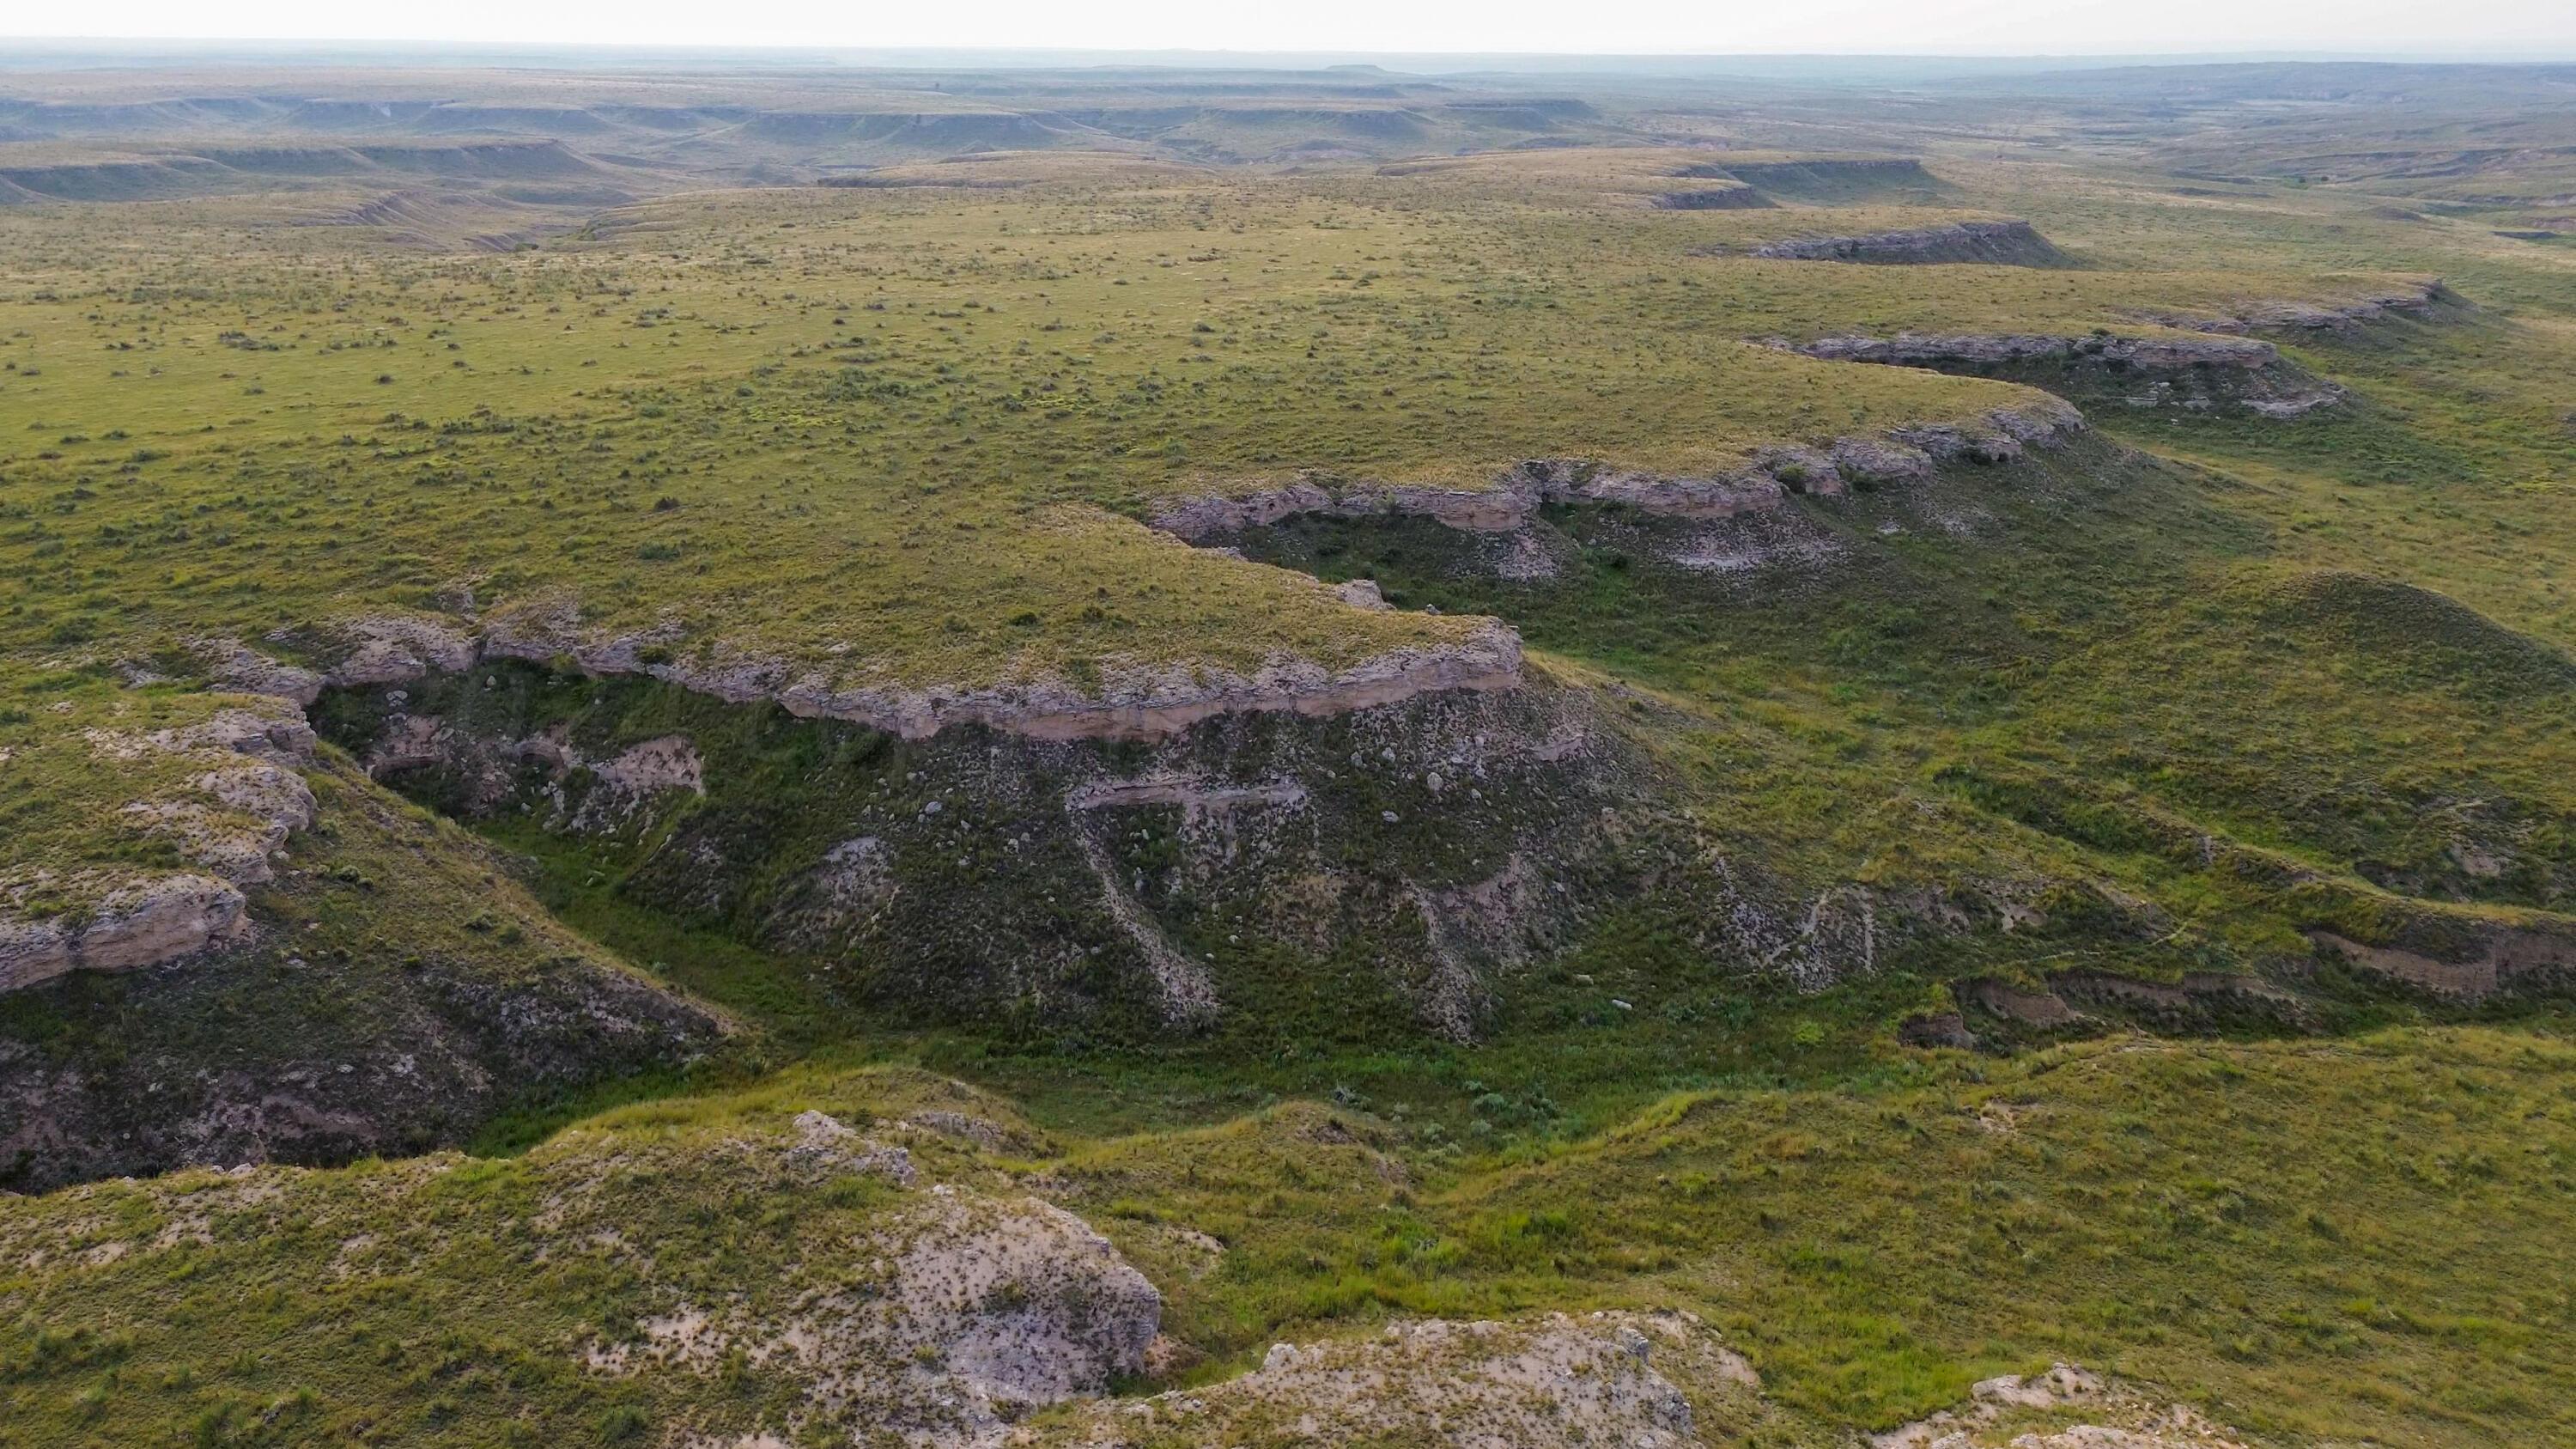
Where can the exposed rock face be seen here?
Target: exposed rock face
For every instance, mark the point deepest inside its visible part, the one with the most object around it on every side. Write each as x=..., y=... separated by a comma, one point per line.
x=443, y=1044
x=1082, y=1317
x=1417, y=858
x=1735, y=542
x=2502, y=960
x=1763, y=485
x=234, y=665
x=1363, y=594
x=896, y=1302
x=1940, y=350
x=1157, y=702
x=2034, y=1413
x=2190, y=372
x=1993, y=243
x=1143, y=704
x=1714, y=198
x=227, y=821
x=951, y=1315
x=393, y=648
x=267, y=733
x=614, y=789
x=1136, y=703
x=1600, y=1378
x=2419, y=300
x=327, y=975
x=141, y=924
x=1807, y=176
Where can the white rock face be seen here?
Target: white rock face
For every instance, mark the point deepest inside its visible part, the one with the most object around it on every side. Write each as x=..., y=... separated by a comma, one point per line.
x=965, y=1310
x=226, y=820
x=1761, y=486
x=1923, y=349
x=141, y=924
x=392, y=649
x=641, y=771
x=1601, y=1378
x=236, y=666
x=1026, y=1303
x=1362, y=594
x=2121, y=1416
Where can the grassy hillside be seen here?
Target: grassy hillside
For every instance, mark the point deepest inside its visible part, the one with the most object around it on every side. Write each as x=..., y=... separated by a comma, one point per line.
x=2332, y=1240
x=1604, y=812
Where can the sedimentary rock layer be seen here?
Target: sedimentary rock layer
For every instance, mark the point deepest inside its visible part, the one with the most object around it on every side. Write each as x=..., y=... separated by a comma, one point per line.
x=1762, y=485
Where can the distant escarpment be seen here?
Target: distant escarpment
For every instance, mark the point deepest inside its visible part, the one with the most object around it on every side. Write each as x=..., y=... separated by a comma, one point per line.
x=1762, y=485
x=1992, y=243
x=1414, y=551
x=1139, y=701
x=159, y=173
x=1714, y=198
x=2196, y=373
x=2426, y=300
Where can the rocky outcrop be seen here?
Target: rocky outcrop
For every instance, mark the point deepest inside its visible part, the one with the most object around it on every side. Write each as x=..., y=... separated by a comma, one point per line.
x=894, y=1299
x=2065, y=1408
x=584, y=791
x=1952, y=350
x=2500, y=960
x=1990, y=243
x=392, y=648
x=2417, y=300
x=2198, y=372
x=1362, y=594
x=231, y=664
x=949, y=1316
x=387, y=993
x=266, y=733
x=263, y=805
x=228, y=820
x=1156, y=701
x=1142, y=703
x=1763, y=485
x=1424, y=856
x=1714, y=198
x=1138, y=702
x=143, y=923
x=1820, y=177
x=1598, y=1378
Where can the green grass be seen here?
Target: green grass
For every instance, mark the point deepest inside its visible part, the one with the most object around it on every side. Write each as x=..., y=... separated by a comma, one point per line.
x=2344, y=1239
x=891, y=433
x=2181, y=705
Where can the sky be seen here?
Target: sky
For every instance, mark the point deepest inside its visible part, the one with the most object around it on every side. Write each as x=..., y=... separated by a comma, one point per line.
x=2488, y=28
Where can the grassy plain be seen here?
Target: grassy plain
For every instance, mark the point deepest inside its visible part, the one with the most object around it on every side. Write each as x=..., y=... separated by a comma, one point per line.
x=803, y=420
x=2273, y=673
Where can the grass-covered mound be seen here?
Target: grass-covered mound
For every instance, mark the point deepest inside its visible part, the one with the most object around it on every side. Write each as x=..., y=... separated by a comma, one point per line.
x=2303, y=1239
x=226, y=947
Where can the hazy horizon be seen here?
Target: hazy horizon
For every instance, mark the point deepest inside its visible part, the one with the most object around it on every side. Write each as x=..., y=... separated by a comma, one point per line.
x=2378, y=30
x=41, y=52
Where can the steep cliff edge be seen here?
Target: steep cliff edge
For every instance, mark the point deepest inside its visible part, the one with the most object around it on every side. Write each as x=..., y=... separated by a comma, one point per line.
x=222, y=946
x=1386, y=871
x=2004, y=243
